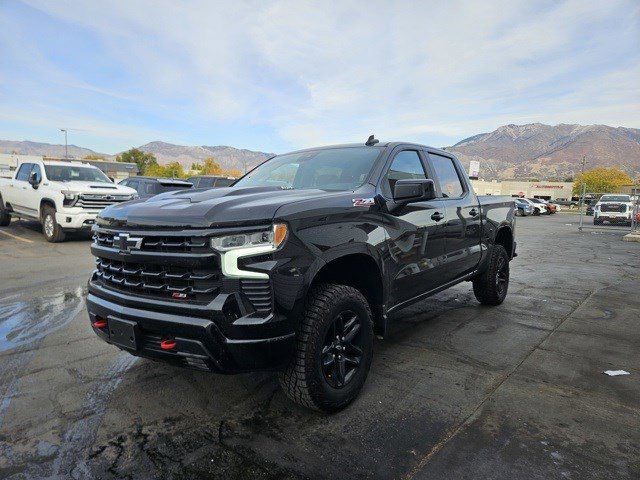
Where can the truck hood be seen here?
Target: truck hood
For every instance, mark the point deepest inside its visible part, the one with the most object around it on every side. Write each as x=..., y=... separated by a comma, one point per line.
x=97, y=188
x=209, y=208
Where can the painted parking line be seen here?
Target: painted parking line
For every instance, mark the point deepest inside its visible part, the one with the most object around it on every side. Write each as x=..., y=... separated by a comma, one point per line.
x=16, y=237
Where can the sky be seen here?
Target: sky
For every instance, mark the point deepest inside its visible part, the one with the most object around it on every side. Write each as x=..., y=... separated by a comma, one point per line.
x=281, y=75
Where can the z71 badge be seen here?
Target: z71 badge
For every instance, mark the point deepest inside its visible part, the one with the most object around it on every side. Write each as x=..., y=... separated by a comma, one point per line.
x=363, y=202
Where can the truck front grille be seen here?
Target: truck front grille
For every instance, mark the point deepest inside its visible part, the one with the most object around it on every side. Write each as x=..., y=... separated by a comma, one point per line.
x=613, y=207
x=159, y=281
x=161, y=244
x=98, y=201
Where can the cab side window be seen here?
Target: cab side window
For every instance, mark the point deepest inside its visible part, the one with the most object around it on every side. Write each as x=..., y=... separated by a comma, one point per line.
x=24, y=171
x=37, y=171
x=405, y=165
x=133, y=184
x=450, y=182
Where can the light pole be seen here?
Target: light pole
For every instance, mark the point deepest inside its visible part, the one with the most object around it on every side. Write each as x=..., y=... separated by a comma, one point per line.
x=66, y=153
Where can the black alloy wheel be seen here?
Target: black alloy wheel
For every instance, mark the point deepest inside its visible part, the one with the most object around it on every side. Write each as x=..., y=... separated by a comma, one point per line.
x=342, y=349
x=502, y=276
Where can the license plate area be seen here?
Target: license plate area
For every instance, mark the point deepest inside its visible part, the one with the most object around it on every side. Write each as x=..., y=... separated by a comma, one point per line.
x=123, y=333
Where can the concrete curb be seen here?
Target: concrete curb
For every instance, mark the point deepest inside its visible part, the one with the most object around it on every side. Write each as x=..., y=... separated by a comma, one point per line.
x=632, y=237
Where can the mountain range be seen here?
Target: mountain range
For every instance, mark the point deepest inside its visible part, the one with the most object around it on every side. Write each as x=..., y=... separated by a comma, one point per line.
x=510, y=152
x=548, y=152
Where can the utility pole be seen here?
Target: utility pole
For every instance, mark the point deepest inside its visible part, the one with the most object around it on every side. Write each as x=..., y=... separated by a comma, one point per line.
x=66, y=153
x=584, y=160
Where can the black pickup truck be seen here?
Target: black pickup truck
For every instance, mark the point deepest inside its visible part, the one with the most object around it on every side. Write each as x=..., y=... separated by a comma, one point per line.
x=298, y=265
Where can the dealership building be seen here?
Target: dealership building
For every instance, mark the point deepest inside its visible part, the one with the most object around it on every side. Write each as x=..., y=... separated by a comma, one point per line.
x=515, y=188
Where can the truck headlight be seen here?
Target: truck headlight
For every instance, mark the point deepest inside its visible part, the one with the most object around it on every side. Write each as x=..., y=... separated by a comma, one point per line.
x=70, y=199
x=272, y=237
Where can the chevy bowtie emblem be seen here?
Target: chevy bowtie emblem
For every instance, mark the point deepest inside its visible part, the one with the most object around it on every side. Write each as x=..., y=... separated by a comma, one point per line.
x=125, y=243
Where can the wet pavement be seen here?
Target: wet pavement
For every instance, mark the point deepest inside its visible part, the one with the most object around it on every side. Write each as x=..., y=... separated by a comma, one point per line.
x=456, y=390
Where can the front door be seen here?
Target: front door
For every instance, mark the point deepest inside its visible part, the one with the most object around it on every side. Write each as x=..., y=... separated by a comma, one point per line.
x=416, y=235
x=19, y=190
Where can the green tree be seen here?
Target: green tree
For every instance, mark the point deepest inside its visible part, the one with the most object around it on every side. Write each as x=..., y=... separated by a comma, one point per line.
x=601, y=180
x=210, y=167
x=142, y=159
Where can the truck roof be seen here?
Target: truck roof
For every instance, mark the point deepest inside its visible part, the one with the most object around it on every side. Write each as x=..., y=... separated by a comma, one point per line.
x=377, y=145
x=68, y=163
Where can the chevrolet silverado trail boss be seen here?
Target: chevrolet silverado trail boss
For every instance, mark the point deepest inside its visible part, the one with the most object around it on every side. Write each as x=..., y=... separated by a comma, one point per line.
x=63, y=196
x=298, y=265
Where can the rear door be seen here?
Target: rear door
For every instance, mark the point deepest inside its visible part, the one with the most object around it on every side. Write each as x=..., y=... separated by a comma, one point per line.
x=463, y=226
x=416, y=233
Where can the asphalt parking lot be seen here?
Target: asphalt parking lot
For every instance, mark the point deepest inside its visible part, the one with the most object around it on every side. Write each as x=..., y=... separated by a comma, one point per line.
x=456, y=390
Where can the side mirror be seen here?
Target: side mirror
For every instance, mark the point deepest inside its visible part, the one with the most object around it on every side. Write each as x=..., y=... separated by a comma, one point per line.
x=33, y=180
x=414, y=190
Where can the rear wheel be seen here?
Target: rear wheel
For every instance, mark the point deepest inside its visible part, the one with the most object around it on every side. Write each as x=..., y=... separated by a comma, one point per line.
x=334, y=351
x=50, y=228
x=5, y=218
x=490, y=287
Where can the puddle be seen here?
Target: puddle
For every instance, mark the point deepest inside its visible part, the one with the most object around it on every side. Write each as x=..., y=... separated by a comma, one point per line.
x=28, y=321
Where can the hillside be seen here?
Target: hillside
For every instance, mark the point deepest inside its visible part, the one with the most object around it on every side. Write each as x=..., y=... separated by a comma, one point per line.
x=550, y=151
x=27, y=147
x=227, y=157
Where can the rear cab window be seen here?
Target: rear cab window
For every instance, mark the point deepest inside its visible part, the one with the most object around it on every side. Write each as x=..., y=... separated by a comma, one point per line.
x=448, y=176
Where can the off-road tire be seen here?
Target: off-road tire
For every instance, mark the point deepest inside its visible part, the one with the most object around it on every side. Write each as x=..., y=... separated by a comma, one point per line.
x=536, y=212
x=5, y=218
x=52, y=232
x=486, y=287
x=303, y=381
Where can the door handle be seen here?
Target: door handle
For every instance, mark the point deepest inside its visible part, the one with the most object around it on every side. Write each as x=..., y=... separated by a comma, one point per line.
x=437, y=216
x=473, y=212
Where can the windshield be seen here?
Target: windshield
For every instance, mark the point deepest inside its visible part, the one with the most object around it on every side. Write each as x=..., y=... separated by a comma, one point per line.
x=327, y=169
x=71, y=173
x=615, y=198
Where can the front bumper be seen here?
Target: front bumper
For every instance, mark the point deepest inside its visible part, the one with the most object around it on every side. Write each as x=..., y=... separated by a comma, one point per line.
x=76, y=220
x=613, y=217
x=259, y=343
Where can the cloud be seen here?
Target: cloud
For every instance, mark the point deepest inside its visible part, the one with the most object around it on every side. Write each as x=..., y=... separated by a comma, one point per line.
x=313, y=73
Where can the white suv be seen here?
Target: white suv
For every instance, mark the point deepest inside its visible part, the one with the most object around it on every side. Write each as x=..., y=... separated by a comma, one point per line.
x=613, y=209
x=62, y=195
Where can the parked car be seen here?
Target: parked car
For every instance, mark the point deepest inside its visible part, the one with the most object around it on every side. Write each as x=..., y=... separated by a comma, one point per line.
x=567, y=202
x=298, y=266
x=523, y=208
x=613, y=209
x=541, y=206
x=147, y=187
x=62, y=196
x=206, y=181
x=537, y=208
x=550, y=207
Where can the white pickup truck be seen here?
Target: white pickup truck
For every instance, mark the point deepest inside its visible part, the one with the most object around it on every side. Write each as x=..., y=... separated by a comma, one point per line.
x=613, y=209
x=63, y=195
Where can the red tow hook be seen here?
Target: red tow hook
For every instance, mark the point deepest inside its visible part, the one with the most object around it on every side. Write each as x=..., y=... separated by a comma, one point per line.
x=99, y=323
x=168, y=344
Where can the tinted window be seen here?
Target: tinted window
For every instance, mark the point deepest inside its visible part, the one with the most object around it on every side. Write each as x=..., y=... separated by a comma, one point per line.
x=206, y=182
x=23, y=172
x=406, y=164
x=36, y=169
x=69, y=173
x=134, y=184
x=150, y=188
x=224, y=182
x=326, y=169
x=447, y=175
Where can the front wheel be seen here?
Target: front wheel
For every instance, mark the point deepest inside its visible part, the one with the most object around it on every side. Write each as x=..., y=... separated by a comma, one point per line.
x=490, y=287
x=5, y=218
x=52, y=231
x=334, y=350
